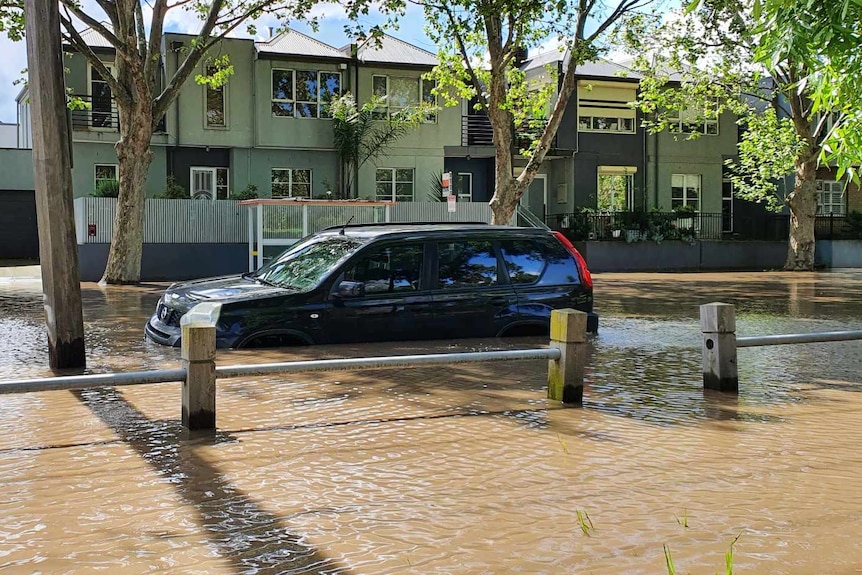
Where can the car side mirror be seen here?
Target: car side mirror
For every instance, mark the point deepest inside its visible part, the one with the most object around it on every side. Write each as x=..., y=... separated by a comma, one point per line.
x=349, y=289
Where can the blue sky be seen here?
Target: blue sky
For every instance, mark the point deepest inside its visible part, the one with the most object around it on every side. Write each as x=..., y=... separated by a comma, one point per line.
x=331, y=31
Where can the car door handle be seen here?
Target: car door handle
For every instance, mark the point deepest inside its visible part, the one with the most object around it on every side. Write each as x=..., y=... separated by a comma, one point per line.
x=498, y=300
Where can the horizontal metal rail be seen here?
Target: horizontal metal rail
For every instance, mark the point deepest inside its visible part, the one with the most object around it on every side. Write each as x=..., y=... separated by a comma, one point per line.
x=787, y=339
x=384, y=362
x=170, y=375
x=91, y=381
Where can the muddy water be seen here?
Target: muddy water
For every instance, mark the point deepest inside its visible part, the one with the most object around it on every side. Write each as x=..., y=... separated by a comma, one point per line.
x=463, y=469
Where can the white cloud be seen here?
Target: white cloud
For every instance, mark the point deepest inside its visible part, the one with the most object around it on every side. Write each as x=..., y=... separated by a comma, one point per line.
x=14, y=60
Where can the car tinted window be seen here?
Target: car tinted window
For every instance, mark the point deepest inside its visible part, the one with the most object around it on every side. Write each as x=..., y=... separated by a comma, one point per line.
x=466, y=264
x=304, y=266
x=525, y=260
x=561, y=265
x=389, y=269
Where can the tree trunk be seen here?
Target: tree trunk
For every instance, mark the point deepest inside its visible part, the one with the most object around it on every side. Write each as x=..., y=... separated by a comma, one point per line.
x=135, y=157
x=803, y=208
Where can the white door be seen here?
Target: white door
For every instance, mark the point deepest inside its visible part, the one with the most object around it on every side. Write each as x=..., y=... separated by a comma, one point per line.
x=203, y=183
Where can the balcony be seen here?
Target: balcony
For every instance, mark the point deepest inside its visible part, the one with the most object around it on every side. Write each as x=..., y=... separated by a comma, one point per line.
x=101, y=115
x=476, y=131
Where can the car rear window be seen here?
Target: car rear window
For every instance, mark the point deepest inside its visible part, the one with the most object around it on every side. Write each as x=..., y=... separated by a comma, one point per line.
x=541, y=261
x=466, y=263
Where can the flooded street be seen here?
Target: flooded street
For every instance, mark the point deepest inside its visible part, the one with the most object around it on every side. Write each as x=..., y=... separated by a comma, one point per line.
x=463, y=469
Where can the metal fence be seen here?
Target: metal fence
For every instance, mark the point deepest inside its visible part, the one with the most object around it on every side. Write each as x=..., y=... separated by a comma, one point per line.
x=634, y=226
x=165, y=221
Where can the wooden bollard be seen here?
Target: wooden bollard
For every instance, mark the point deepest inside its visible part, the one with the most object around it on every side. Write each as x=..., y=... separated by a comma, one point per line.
x=718, y=325
x=198, y=355
x=566, y=375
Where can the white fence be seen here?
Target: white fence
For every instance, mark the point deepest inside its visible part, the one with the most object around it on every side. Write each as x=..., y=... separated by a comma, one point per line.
x=165, y=221
x=223, y=221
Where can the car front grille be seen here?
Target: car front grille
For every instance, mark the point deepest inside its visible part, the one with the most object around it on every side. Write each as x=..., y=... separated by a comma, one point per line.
x=168, y=316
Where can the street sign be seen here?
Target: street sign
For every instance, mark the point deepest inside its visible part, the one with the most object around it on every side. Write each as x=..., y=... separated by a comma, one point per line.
x=450, y=202
x=446, y=180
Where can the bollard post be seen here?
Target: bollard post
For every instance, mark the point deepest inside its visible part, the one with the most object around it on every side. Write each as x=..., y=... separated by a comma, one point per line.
x=198, y=355
x=566, y=375
x=718, y=325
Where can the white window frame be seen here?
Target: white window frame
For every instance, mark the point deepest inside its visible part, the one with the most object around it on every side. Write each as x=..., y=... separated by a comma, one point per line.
x=468, y=197
x=224, y=97
x=321, y=114
x=392, y=196
x=214, y=170
x=627, y=172
x=96, y=179
x=698, y=178
x=291, y=182
x=679, y=125
x=386, y=110
x=594, y=126
x=115, y=123
x=826, y=190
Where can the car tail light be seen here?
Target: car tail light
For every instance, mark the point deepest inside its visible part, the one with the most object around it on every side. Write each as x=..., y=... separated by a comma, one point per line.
x=586, y=278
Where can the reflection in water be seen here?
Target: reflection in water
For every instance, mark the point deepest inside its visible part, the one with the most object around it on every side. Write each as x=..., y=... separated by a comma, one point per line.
x=462, y=469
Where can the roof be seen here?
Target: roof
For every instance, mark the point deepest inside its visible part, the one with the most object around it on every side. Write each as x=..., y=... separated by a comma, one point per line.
x=598, y=68
x=297, y=44
x=390, y=50
x=94, y=39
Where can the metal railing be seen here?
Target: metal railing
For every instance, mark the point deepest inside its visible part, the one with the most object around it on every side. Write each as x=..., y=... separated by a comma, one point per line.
x=718, y=350
x=637, y=226
x=633, y=226
x=476, y=131
x=101, y=113
x=199, y=373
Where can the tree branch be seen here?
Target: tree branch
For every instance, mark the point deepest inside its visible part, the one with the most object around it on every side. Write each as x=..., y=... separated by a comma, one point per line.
x=95, y=25
x=118, y=91
x=161, y=103
x=154, y=49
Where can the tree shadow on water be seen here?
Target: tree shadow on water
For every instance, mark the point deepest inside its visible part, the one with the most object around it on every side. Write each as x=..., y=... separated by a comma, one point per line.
x=248, y=537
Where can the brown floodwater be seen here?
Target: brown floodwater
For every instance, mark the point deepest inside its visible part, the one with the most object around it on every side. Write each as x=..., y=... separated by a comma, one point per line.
x=463, y=469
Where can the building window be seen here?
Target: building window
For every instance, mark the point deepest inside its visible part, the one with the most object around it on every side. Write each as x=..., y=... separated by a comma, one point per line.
x=105, y=173
x=303, y=93
x=604, y=107
x=291, y=183
x=464, y=186
x=727, y=206
x=692, y=121
x=209, y=183
x=430, y=99
x=215, y=103
x=400, y=93
x=830, y=198
x=616, y=188
x=101, y=102
x=685, y=191
x=394, y=184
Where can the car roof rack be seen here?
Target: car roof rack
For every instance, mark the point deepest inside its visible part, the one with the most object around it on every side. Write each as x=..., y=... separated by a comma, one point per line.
x=375, y=224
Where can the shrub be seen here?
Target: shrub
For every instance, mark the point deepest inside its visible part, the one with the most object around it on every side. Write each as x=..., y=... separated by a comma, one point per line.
x=249, y=193
x=173, y=191
x=107, y=189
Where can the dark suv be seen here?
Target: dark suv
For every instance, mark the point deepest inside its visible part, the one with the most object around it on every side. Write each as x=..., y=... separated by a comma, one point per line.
x=392, y=282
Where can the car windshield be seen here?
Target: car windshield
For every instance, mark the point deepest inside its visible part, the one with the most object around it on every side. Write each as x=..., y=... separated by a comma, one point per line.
x=304, y=266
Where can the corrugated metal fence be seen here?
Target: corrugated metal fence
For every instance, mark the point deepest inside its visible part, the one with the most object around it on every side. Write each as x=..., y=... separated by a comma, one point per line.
x=223, y=221
x=166, y=221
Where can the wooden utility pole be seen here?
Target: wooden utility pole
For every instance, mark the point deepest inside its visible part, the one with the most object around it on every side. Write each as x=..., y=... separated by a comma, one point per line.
x=53, y=178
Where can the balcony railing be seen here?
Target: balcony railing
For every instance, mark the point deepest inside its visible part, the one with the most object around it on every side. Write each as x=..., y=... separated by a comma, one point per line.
x=658, y=226
x=101, y=114
x=476, y=131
